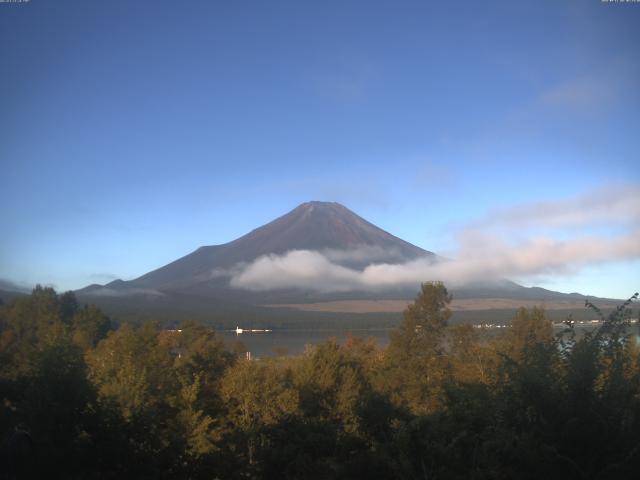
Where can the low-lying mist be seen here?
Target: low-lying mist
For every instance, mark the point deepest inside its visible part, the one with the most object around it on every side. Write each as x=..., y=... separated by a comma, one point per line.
x=525, y=241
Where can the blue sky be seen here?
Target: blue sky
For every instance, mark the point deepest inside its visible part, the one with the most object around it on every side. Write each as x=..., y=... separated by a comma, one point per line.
x=133, y=132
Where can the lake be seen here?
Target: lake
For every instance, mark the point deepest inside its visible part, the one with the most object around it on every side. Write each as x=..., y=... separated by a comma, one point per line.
x=292, y=342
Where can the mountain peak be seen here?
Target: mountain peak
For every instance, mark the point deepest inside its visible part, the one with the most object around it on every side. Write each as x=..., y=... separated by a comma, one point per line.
x=317, y=226
x=320, y=203
x=316, y=205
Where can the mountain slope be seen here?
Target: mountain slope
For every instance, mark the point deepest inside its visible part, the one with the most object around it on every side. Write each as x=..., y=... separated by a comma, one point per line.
x=318, y=226
x=198, y=284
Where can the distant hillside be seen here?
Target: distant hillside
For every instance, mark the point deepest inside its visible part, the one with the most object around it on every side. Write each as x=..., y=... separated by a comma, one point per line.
x=317, y=226
x=198, y=284
x=10, y=290
x=8, y=295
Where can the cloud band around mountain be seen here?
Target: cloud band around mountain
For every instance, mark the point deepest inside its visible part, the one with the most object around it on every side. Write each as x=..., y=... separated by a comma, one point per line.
x=484, y=253
x=313, y=270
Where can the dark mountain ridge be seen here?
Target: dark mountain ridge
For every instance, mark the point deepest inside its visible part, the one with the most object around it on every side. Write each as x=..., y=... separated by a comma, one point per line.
x=198, y=284
x=320, y=226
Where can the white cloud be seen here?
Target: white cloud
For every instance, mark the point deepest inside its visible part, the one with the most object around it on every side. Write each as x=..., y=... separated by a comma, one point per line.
x=6, y=284
x=347, y=78
x=484, y=254
x=296, y=269
x=613, y=204
x=365, y=254
x=594, y=90
x=103, y=277
x=490, y=261
x=111, y=292
x=579, y=93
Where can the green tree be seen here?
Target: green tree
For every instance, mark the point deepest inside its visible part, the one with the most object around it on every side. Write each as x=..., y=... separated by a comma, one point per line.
x=200, y=361
x=415, y=364
x=424, y=323
x=258, y=394
x=89, y=326
x=473, y=361
x=530, y=329
x=130, y=368
x=31, y=324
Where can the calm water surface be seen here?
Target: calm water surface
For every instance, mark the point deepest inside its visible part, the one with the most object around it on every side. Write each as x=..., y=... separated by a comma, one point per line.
x=292, y=342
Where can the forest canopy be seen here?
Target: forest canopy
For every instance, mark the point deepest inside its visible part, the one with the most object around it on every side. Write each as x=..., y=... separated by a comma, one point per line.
x=82, y=399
